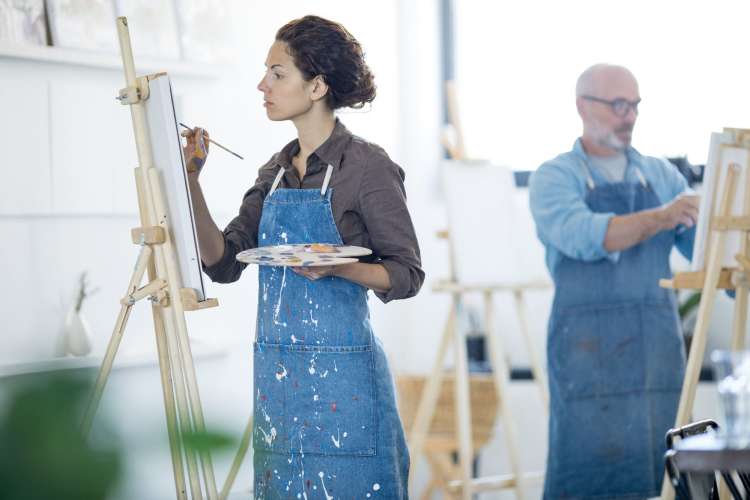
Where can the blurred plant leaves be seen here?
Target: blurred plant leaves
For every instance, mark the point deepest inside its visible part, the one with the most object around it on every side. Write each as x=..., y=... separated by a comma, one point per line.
x=43, y=456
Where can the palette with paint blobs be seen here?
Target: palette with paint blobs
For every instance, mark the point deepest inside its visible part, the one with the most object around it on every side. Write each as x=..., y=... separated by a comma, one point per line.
x=303, y=255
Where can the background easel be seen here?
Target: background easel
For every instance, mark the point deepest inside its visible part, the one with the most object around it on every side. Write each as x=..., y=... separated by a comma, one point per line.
x=169, y=300
x=465, y=485
x=716, y=277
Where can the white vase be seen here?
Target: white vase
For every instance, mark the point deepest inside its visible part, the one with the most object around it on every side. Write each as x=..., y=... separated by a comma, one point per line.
x=77, y=334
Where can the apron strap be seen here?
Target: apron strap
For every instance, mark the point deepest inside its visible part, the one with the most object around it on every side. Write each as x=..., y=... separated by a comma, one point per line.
x=327, y=180
x=276, y=181
x=589, y=179
x=641, y=178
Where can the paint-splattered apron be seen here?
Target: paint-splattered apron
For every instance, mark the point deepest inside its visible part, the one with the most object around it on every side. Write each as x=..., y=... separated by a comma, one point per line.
x=326, y=424
x=616, y=363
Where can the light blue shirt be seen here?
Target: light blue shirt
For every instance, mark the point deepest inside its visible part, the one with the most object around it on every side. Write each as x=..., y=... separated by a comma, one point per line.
x=565, y=224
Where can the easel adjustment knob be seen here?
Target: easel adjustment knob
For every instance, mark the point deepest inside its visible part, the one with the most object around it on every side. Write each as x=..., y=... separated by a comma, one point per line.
x=134, y=94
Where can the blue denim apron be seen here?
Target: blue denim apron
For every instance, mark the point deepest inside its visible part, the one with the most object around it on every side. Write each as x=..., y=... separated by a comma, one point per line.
x=616, y=362
x=326, y=424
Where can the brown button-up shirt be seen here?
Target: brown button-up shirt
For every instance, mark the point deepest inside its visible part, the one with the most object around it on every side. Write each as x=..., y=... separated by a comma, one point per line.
x=368, y=203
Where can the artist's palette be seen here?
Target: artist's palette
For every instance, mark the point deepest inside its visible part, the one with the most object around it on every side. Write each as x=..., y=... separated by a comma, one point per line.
x=303, y=255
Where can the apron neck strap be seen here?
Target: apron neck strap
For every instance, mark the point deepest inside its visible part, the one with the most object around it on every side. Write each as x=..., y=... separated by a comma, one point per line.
x=276, y=181
x=327, y=180
x=590, y=180
x=323, y=189
x=641, y=177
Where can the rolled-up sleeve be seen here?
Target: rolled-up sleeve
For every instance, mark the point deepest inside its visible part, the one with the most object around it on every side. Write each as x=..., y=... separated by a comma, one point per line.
x=242, y=232
x=562, y=217
x=382, y=206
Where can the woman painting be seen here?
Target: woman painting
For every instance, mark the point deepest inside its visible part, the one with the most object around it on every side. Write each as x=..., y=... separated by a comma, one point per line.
x=325, y=420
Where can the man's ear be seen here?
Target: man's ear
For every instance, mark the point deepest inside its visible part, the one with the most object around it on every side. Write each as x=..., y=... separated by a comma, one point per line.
x=319, y=88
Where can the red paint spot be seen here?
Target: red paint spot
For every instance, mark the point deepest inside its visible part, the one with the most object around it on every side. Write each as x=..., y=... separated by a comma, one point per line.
x=333, y=406
x=263, y=397
x=308, y=484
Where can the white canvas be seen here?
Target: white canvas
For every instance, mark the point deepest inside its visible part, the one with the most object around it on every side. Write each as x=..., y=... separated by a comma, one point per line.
x=722, y=153
x=491, y=227
x=168, y=159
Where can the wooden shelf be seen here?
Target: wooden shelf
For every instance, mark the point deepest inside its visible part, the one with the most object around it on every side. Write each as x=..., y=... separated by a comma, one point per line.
x=109, y=61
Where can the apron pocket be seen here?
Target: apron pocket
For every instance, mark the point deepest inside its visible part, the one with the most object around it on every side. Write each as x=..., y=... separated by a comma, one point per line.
x=328, y=403
x=598, y=350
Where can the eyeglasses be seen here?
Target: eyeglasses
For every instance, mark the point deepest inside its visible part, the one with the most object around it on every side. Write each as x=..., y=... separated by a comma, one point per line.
x=620, y=106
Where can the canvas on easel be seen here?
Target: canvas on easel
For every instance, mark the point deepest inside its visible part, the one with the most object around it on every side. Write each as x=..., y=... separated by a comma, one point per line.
x=723, y=152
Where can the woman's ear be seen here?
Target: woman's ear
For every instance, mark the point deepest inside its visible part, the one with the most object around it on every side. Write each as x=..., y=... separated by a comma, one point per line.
x=319, y=88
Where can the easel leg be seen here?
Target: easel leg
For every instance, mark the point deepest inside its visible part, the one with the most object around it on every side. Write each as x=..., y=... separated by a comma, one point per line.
x=500, y=373
x=739, y=322
x=175, y=444
x=714, y=259
x=238, y=459
x=430, y=395
x=182, y=402
x=536, y=365
x=463, y=408
x=114, y=341
x=169, y=260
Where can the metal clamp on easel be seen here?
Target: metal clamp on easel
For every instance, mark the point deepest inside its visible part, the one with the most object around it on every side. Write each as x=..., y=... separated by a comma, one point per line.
x=169, y=301
x=716, y=275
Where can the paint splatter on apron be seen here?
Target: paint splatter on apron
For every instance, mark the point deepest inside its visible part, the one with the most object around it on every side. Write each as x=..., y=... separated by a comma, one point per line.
x=326, y=424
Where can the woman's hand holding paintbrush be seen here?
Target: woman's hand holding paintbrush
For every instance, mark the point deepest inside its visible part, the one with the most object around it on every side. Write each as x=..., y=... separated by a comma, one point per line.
x=196, y=148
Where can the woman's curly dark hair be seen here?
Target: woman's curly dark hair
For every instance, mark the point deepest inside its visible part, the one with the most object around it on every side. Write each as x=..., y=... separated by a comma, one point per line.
x=322, y=47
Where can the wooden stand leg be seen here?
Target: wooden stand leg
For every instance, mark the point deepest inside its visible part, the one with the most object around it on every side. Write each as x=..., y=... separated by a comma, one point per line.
x=165, y=367
x=430, y=395
x=114, y=340
x=463, y=408
x=184, y=351
x=540, y=377
x=500, y=373
x=168, y=391
x=238, y=459
x=739, y=322
x=700, y=334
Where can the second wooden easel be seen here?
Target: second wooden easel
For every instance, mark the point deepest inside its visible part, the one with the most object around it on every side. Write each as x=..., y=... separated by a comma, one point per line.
x=716, y=277
x=453, y=335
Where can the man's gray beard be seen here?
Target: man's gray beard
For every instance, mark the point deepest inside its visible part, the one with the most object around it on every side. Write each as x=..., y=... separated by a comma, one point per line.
x=611, y=141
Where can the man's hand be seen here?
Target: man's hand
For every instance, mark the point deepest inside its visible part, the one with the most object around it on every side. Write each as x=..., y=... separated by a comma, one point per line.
x=196, y=149
x=682, y=210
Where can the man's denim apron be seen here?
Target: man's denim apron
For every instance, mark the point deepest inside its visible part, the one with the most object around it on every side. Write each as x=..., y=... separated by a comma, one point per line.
x=616, y=362
x=326, y=424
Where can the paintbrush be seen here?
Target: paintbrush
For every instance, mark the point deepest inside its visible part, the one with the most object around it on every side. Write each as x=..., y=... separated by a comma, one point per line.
x=214, y=142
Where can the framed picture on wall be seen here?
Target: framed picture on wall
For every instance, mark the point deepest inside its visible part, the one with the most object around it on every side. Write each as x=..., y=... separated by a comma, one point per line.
x=83, y=24
x=206, y=33
x=23, y=22
x=153, y=27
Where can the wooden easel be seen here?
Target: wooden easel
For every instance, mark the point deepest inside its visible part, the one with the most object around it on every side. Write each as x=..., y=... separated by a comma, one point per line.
x=169, y=300
x=466, y=486
x=715, y=277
